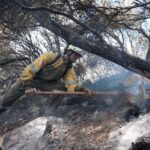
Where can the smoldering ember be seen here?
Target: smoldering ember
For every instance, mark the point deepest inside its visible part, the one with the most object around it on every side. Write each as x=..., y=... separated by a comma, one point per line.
x=74, y=75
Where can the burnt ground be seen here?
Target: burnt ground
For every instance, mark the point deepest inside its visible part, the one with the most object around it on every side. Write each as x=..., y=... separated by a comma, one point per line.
x=77, y=123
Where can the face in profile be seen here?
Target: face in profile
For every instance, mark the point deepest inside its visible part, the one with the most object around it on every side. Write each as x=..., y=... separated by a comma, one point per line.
x=74, y=56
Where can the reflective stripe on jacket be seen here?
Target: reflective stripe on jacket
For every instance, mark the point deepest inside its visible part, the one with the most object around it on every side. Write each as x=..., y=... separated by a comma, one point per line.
x=44, y=69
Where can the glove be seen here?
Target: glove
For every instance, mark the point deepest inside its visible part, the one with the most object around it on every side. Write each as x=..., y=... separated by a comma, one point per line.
x=83, y=89
x=30, y=92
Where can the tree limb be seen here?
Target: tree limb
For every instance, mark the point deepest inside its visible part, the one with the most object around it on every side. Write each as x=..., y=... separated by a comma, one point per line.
x=11, y=60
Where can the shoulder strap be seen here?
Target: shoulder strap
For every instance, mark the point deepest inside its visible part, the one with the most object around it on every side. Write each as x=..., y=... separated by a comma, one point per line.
x=50, y=63
x=69, y=65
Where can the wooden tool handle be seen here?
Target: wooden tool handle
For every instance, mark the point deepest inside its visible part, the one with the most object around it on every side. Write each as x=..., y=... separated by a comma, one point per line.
x=75, y=93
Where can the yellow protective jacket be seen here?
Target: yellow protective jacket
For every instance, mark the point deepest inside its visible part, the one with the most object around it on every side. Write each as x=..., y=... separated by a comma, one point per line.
x=50, y=67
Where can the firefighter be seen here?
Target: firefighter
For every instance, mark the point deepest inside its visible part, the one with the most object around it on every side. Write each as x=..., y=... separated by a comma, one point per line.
x=49, y=72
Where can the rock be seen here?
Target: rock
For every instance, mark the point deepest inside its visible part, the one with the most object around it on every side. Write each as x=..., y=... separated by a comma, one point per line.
x=20, y=136
x=142, y=143
x=126, y=137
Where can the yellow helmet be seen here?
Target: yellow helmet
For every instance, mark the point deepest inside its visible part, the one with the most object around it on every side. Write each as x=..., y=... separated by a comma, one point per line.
x=76, y=49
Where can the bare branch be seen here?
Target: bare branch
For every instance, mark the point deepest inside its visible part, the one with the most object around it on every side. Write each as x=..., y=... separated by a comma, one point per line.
x=11, y=60
x=23, y=7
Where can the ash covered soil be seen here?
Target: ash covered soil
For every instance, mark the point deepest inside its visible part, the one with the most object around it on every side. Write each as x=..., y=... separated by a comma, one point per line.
x=77, y=123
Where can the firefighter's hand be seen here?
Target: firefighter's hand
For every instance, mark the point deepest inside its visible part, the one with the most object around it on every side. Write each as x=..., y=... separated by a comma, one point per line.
x=30, y=91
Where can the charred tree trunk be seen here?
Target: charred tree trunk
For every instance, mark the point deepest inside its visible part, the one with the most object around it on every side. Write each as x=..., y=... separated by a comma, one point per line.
x=148, y=53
